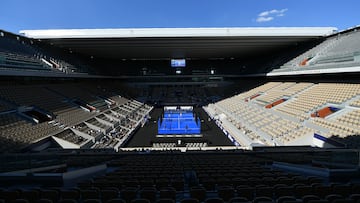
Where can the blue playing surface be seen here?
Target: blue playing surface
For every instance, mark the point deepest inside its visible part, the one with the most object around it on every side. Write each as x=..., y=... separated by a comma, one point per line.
x=178, y=123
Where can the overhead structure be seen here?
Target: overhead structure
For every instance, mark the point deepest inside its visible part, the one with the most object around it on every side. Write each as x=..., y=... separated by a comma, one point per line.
x=165, y=43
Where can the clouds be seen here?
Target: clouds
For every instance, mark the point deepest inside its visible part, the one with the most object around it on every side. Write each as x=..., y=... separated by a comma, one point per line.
x=270, y=15
x=261, y=19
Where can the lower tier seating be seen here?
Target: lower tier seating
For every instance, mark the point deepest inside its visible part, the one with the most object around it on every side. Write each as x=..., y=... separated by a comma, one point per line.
x=207, y=177
x=250, y=120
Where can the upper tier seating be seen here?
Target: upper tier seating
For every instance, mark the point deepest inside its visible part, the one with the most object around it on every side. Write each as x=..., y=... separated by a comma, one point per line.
x=337, y=51
x=18, y=61
x=26, y=56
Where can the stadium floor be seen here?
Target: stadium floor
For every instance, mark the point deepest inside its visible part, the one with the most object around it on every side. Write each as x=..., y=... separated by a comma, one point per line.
x=146, y=135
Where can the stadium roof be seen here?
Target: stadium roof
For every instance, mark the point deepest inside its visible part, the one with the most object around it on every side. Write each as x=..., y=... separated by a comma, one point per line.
x=164, y=43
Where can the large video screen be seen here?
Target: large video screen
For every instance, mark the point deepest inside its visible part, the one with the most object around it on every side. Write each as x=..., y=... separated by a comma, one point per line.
x=178, y=63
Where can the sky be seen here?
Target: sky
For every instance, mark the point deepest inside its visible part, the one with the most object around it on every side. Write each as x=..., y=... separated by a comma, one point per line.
x=18, y=15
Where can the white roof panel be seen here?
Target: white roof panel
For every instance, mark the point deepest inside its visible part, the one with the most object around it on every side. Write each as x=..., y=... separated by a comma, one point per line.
x=180, y=32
